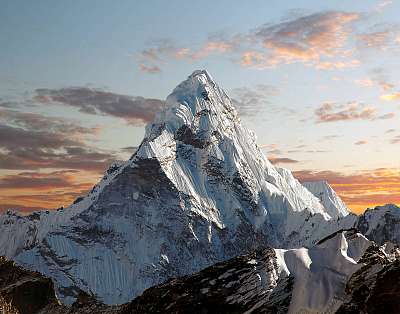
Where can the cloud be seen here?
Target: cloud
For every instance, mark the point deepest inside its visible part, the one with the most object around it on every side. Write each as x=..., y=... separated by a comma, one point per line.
x=383, y=4
x=158, y=49
x=28, y=191
x=331, y=112
x=317, y=39
x=361, y=142
x=365, y=82
x=379, y=76
x=282, y=160
x=386, y=116
x=165, y=50
x=306, y=39
x=391, y=97
x=361, y=189
x=38, y=122
x=331, y=65
x=329, y=137
x=372, y=82
x=378, y=40
x=18, y=207
x=36, y=180
x=250, y=101
x=135, y=110
x=32, y=141
x=129, y=149
x=149, y=69
x=395, y=140
x=212, y=47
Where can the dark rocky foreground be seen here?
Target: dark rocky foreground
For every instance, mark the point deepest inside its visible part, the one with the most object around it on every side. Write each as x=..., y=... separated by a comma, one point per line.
x=228, y=287
x=375, y=288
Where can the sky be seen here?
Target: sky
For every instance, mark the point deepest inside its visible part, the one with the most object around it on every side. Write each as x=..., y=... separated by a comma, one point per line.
x=318, y=82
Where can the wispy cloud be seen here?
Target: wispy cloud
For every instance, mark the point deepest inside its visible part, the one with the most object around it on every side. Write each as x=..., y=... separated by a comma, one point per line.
x=377, y=40
x=361, y=142
x=386, y=116
x=250, y=101
x=331, y=112
x=317, y=39
x=135, y=110
x=282, y=160
x=383, y=5
x=306, y=39
x=32, y=141
x=149, y=69
x=395, y=140
x=391, y=96
x=28, y=191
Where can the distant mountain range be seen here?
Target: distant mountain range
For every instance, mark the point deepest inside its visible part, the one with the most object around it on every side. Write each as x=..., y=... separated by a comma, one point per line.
x=199, y=191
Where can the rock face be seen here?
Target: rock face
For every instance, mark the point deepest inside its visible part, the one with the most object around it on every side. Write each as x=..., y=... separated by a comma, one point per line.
x=343, y=273
x=246, y=283
x=268, y=281
x=22, y=291
x=374, y=288
x=198, y=191
x=381, y=224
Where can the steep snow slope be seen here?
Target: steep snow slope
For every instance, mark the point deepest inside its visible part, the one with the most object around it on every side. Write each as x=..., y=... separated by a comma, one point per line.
x=328, y=197
x=320, y=272
x=197, y=191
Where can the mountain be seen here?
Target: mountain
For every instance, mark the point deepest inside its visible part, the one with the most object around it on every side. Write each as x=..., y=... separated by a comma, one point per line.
x=328, y=197
x=343, y=273
x=321, y=279
x=381, y=224
x=196, y=192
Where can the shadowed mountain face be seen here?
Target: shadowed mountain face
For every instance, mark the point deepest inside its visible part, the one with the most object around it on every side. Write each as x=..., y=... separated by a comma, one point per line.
x=358, y=276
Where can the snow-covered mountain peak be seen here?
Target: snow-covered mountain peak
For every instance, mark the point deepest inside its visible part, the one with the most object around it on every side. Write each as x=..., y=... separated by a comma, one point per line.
x=197, y=191
x=197, y=106
x=328, y=197
x=381, y=223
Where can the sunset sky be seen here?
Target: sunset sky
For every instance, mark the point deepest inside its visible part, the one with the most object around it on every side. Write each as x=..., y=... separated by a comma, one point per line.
x=318, y=82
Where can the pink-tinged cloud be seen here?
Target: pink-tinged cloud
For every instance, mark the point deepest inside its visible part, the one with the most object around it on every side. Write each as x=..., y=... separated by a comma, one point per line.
x=365, y=82
x=152, y=69
x=212, y=47
x=307, y=39
x=330, y=112
x=362, y=142
x=282, y=160
x=317, y=39
x=395, y=140
x=377, y=40
x=330, y=65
